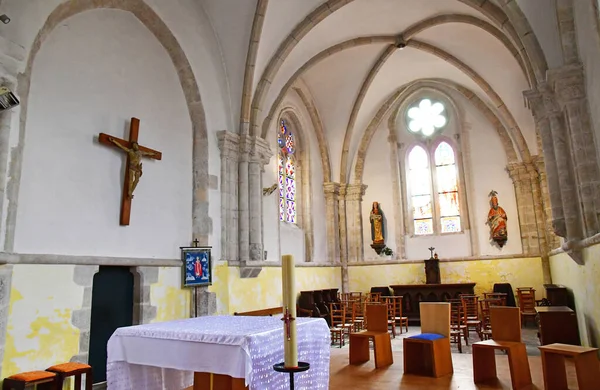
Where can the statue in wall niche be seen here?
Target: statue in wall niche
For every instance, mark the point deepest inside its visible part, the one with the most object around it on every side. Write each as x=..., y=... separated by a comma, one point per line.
x=377, y=234
x=497, y=221
x=432, y=269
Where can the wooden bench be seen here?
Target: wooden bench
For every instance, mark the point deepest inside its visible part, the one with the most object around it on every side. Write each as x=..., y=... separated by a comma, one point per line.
x=587, y=367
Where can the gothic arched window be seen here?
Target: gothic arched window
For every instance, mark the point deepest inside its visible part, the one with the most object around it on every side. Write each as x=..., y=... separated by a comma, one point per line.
x=432, y=176
x=439, y=213
x=287, y=174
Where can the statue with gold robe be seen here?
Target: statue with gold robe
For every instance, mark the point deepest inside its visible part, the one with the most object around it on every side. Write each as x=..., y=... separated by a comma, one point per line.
x=376, y=219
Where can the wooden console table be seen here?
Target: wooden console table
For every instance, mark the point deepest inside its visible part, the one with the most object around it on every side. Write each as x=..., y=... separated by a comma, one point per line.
x=557, y=324
x=414, y=293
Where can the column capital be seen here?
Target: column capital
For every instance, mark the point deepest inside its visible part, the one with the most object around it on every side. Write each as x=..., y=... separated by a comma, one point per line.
x=568, y=83
x=260, y=151
x=542, y=101
x=522, y=171
x=229, y=144
x=355, y=191
x=331, y=188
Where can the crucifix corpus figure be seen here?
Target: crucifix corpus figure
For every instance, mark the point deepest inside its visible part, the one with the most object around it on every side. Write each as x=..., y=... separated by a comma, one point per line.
x=133, y=173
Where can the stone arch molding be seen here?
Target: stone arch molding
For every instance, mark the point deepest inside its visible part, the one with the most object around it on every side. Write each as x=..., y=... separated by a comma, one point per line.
x=392, y=105
x=509, y=18
x=201, y=222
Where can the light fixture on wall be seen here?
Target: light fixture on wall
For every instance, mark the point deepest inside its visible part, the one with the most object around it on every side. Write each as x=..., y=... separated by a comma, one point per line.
x=7, y=99
x=4, y=19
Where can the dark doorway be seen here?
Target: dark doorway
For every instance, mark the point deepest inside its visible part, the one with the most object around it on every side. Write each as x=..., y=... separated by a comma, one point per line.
x=112, y=307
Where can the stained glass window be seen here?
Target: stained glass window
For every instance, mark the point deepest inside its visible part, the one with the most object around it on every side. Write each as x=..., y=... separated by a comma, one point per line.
x=426, y=117
x=439, y=178
x=286, y=174
x=420, y=190
x=447, y=188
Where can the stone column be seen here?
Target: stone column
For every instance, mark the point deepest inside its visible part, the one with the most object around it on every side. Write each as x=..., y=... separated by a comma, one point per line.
x=343, y=237
x=544, y=109
x=243, y=200
x=522, y=181
x=12, y=58
x=396, y=196
x=354, y=194
x=332, y=191
x=569, y=85
x=260, y=154
x=229, y=144
x=552, y=240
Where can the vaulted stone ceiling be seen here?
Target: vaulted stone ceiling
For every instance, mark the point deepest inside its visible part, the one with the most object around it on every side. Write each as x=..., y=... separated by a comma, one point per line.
x=345, y=55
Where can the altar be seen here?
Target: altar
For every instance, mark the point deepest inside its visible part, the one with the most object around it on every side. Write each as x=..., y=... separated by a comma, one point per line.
x=165, y=355
x=412, y=294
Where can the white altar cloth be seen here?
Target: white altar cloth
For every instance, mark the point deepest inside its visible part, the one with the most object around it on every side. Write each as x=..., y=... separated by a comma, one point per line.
x=164, y=355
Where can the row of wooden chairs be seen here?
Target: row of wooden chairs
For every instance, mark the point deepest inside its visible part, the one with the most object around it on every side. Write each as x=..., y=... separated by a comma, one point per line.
x=349, y=314
x=51, y=379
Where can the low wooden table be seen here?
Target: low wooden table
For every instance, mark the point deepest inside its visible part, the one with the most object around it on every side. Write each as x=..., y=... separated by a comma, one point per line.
x=587, y=366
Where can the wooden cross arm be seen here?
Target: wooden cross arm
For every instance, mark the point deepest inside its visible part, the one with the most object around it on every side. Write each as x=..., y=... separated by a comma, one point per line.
x=150, y=153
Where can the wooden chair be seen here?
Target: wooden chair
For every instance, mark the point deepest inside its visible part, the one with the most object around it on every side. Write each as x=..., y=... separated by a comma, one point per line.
x=77, y=370
x=398, y=318
x=373, y=297
x=337, y=328
x=526, y=296
x=494, y=295
x=506, y=326
x=486, y=325
x=38, y=379
x=358, y=319
x=391, y=313
x=471, y=305
x=587, y=368
x=377, y=331
x=458, y=323
x=429, y=353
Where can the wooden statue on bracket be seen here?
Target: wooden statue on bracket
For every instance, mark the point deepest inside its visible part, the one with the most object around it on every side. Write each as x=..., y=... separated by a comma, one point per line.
x=497, y=221
x=377, y=234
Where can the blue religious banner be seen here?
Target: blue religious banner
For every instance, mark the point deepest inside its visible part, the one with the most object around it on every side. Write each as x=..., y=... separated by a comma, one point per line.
x=197, y=266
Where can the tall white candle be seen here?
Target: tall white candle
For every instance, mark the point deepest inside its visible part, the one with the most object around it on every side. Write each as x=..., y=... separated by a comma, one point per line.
x=288, y=279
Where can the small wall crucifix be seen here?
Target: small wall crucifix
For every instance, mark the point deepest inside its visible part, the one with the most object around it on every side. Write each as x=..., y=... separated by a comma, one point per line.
x=133, y=173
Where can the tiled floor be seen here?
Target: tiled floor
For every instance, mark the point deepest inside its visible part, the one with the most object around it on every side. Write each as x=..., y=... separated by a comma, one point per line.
x=366, y=377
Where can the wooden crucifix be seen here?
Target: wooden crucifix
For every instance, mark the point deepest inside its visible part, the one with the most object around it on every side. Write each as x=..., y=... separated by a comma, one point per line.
x=133, y=172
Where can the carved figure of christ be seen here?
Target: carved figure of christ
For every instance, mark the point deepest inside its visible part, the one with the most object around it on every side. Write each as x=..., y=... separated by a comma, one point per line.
x=133, y=173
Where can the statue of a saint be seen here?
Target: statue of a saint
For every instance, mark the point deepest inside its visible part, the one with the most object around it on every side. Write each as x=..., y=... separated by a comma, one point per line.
x=497, y=221
x=135, y=163
x=376, y=219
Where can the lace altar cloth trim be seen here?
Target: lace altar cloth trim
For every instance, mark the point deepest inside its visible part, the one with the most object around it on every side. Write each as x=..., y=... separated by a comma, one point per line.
x=259, y=339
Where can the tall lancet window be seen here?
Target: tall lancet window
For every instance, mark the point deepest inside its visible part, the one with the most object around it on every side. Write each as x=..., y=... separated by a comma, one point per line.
x=433, y=176
x=420, y=190
x=447, y=188
x=287, y=174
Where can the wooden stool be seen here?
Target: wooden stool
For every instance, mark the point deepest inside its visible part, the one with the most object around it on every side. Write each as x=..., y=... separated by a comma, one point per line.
x=429, y=353
x=506, y=334
x=66, y=370
x=31, y=378
x=377, y=330
x=586, y=366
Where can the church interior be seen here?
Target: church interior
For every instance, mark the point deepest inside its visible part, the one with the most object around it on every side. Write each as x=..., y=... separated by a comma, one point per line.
x=416, y=155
